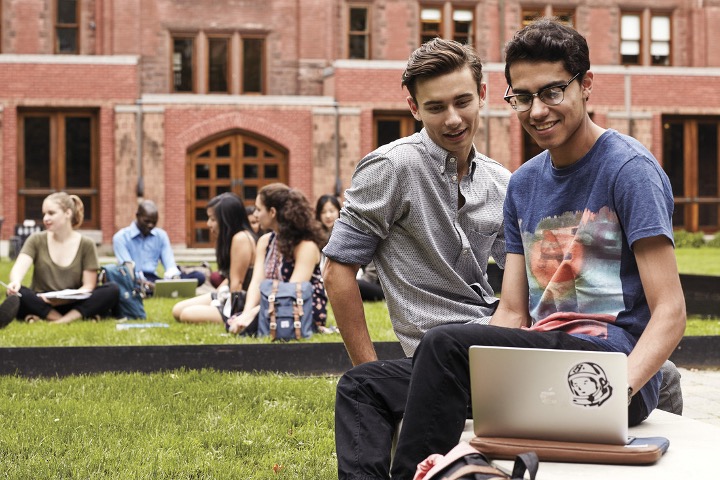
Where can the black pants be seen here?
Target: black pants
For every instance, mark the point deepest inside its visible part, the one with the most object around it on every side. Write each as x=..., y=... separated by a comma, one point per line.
x=370, y=292
x=100, y=302
x=430, y=392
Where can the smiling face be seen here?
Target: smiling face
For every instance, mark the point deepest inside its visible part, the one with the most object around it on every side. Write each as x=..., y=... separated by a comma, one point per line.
x=449, y=108
x=564, y=129
x=54, y=217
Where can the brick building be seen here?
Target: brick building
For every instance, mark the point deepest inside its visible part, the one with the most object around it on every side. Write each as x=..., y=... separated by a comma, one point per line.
x=179, y=100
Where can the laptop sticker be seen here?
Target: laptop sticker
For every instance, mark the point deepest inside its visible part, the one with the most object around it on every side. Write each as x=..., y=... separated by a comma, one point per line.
x=589, y=385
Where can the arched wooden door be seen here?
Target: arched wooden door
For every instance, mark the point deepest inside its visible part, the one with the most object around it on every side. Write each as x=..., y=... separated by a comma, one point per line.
x=238, y=163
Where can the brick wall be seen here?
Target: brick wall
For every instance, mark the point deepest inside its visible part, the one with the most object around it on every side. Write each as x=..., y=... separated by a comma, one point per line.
x=303, y=39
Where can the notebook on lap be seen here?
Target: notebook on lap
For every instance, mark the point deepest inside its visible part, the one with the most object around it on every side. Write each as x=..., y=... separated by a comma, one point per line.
x=181, y=288
x=572, y=396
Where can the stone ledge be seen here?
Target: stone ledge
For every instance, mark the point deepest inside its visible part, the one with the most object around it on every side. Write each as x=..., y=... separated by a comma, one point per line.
x=294, y=358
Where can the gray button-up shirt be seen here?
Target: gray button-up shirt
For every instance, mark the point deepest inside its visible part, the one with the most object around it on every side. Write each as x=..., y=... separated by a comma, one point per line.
x=401, y=211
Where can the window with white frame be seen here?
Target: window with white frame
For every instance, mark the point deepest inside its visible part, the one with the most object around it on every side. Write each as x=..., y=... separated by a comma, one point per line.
x=529, y=14
x=630, y=39
x=447, y=21
x=430, y=23
x=645, y=38
x=463, y=26
x=660, y=40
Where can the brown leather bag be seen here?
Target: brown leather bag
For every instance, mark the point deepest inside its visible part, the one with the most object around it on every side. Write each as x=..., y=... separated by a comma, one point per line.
x=639, y=451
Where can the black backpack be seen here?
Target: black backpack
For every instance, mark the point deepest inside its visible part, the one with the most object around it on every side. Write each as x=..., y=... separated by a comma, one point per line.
x=473, y=465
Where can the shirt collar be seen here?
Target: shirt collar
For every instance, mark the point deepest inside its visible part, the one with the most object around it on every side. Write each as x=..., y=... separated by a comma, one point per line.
x=135, y=231
x=441, y=156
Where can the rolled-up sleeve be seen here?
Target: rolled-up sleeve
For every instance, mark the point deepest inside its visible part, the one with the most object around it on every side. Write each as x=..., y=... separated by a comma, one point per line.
x=373, y=203
x=350, y=245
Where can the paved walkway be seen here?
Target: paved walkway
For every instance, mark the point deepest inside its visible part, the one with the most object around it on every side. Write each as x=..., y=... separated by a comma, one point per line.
x=701, y=395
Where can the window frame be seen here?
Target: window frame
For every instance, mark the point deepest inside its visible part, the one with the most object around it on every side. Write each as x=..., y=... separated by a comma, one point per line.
x=263, y=64
x=440, y=32
x=57, y=161
x=669, y=42
x=640, y=41
x=531, y=12
x=58, y=25
x=366, y=34
x=470, y=36
x=193, y=63
x=201, y=61
x=407, y=124
x=228, y=62
x=646, y=40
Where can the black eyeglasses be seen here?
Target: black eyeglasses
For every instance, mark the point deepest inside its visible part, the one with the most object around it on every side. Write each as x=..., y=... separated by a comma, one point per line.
x=522, y=102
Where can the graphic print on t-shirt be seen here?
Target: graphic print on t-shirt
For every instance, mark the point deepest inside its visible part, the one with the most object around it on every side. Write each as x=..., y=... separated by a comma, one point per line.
x=574, y=271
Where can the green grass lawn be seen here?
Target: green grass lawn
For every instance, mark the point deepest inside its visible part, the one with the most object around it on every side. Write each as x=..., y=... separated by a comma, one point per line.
x=178, y=425
x=19, y=334
x=185, y=424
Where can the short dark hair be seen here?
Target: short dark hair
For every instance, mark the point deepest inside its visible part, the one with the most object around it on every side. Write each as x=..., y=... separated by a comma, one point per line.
x=321, y=204
x=439, y=57
x=547, y=40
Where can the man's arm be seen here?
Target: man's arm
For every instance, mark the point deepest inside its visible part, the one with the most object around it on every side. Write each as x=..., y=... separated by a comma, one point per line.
x=512, y=311
x=122, y=254
x=344, y=295
x=660, y=280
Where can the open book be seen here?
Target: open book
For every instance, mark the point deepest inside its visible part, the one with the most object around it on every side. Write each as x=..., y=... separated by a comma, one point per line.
x=67, y=294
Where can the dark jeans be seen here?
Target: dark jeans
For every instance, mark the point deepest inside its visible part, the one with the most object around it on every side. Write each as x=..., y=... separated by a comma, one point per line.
x=100, y=302
x=431, y=395
x=370, y=292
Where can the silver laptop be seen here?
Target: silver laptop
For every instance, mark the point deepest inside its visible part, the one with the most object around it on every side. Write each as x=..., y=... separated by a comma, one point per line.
x=563, y=395
x=180, y=288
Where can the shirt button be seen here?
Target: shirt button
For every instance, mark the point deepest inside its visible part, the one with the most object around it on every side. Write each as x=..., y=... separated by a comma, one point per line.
x=465, y=251
x=454, y=178
x=452, y=159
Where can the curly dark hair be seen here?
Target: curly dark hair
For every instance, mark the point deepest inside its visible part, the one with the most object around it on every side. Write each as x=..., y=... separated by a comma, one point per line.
x=547, y=40
x=231, y=217
x=295, y=217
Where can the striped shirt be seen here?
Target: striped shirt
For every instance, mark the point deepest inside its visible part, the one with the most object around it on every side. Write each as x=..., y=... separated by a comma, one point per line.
x=401, y=211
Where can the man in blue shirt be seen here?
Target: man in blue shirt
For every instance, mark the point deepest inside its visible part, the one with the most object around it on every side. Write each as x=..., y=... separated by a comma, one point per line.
x=590, y=263
x=144, y=244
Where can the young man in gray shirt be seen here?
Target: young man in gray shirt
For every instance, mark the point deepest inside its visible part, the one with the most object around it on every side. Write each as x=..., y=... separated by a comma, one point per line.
x=428, y=210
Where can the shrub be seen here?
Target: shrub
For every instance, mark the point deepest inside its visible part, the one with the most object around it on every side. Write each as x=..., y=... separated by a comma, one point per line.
x=685, y=239
x=715, y=241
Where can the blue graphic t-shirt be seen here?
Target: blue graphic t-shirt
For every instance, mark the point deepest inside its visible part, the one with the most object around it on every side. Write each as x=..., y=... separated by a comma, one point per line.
x=576, y=226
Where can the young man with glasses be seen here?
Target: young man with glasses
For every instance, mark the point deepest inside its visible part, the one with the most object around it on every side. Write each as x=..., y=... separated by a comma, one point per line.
x=590, y=262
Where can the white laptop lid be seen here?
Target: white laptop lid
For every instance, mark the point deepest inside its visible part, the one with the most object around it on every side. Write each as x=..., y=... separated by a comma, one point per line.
x=563, y=395
x=175, y=288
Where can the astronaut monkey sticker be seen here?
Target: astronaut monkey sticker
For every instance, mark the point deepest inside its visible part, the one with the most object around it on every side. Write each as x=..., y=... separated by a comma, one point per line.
x=589, y=385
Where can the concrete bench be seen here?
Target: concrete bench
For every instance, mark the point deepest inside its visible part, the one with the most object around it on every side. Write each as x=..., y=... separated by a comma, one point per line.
x=693, y=446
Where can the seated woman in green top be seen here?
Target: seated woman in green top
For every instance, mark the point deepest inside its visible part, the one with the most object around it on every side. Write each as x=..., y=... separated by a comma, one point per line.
x=62, y=259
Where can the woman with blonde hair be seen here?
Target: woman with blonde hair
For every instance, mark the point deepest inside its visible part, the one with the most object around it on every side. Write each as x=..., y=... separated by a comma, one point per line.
x=62, y=259
x=290, y=252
